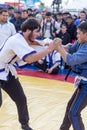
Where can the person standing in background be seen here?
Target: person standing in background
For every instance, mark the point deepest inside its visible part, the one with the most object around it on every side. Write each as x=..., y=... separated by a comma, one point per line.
x=49, y=26
x=60, y=20
x=10, y=12
x=24, y=15
x=7, y=29
x=63, y=34
x=71, y=29
x=82, y=17
x=17, y=20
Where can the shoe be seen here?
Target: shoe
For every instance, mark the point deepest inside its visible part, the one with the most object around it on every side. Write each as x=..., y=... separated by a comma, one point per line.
x=26, y=127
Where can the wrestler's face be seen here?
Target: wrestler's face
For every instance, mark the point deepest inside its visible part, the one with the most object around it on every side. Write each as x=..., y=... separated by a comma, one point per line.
x=82, y=37
x=33, y=35
x=36, y=33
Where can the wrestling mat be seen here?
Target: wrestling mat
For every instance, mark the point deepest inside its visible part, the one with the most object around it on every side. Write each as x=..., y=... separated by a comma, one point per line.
x=47, y=99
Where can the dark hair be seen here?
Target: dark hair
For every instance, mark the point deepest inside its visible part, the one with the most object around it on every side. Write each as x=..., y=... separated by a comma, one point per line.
x=66, y=13
x=29, y=9
x=30, y=24
x=83, y=27
x=17, y=11
x=31, y=15
x=3, y=10
x=48, y=14
x=10, y=7
x=60, y=13
x=25, y=11
x=83, y=12
x=63, y=25
x=69, y=17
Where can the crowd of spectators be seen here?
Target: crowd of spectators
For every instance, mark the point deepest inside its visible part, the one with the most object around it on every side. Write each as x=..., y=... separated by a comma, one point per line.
x=62, y=24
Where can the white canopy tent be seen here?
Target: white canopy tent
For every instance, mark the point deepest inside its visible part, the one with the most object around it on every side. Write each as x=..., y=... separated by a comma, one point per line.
x=75, y=4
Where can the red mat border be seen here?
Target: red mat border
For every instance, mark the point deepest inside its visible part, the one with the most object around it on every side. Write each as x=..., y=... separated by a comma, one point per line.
x=45, y=75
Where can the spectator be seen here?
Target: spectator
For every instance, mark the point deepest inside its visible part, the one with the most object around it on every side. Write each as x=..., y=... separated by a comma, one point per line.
x=82, y=17
x=65, y=15
x=60, y=20
x=7, y=29
x=49, y=26
x=10, y=12
x=71, y=28
x=39, y=19
x=17, y=20
x=50, y=63
x=30, y=15
x=64, y=35
x=24, y=15
x=30, y=11
x=74, y=17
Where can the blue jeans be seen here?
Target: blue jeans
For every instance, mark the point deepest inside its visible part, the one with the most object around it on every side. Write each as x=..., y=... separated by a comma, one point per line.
x=75, y=105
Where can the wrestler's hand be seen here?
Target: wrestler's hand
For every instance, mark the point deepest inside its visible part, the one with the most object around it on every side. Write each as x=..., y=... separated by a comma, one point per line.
x=57, y=42
x=51, y=47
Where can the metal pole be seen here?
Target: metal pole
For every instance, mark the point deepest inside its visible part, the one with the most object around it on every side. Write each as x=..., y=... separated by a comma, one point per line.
x=19, y=4
x=58, y=5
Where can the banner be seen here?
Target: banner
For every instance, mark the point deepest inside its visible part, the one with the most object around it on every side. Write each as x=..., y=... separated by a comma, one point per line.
x=31, y=3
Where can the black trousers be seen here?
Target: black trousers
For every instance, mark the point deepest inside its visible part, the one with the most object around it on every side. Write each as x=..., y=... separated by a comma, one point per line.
x=14, y=89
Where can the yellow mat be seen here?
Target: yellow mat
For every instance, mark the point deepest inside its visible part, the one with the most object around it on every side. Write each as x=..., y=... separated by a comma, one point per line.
x=47, y=101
